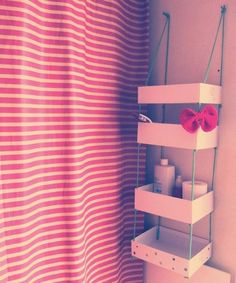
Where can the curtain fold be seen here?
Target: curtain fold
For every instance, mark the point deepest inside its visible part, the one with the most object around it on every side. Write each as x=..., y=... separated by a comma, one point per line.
x=69, y=72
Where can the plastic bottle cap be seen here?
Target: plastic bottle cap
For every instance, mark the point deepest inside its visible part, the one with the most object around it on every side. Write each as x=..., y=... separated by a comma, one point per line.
x=164, y=162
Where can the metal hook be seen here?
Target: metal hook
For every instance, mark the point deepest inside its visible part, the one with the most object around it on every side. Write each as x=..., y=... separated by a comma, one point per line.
x=167, y=15
x=223, y=9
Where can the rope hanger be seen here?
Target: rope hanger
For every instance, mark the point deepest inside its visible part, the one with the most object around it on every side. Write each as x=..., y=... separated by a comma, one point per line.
x=167, y=26
x=151, y=68
x=222, y=21
x=154, y=56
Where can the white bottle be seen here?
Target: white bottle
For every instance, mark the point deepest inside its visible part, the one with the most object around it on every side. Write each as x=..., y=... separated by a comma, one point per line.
x=177, y=190
x=165, y=177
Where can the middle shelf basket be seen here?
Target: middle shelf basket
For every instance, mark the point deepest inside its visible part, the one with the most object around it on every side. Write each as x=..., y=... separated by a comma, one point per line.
x=177, y=209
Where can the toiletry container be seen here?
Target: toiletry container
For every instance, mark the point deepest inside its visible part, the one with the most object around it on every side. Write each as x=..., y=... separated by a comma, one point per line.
x=156, y=186
x=177, y=190
x=164, y=176
x=200, y=188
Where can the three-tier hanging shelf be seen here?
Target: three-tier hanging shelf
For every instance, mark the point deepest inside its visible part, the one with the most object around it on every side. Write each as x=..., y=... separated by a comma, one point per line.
x=180, y=252
x=177, y=251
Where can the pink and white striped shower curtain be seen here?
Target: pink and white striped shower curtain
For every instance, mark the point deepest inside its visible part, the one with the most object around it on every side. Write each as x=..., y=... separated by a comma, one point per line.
x=68, y=76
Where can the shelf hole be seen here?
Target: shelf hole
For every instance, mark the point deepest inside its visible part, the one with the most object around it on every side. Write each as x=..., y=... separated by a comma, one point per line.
x=186, y=269
x=173, y=268
x=173, y=258
x=134, y=253
x=155, y=253
x=146, y=254
x=136, y=246
x=160, y=263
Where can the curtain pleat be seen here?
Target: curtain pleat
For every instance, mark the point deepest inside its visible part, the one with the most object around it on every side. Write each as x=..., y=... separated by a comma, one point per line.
x=69, y=72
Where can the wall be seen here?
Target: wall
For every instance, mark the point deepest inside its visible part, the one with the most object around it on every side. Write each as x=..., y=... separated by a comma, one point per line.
x=193, y=27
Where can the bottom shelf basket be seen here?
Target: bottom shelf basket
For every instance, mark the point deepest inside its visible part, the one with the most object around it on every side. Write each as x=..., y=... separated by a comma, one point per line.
x=171, y=251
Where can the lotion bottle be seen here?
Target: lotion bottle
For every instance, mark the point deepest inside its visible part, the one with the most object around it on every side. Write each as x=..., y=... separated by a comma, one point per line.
x=164, y=175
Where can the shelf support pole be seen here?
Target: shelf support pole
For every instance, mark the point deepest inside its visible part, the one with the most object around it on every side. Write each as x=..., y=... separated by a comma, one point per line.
x=212, y=188
x=137, y=184
x=193, y=173
x=192, y=198
x=166, y=69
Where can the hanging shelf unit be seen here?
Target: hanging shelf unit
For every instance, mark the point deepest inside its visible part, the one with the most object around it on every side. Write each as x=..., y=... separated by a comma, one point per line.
x=175, y=250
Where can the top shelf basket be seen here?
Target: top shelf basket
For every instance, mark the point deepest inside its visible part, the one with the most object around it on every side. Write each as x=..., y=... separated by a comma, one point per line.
x=180, y=93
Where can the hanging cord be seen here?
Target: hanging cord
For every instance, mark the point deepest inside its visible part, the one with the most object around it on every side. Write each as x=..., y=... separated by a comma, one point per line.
x=154, y=56
x=151, y=68
x=223, y=10
x=166, y=71
x=137, y=181
x=163, y=105
x=221, y=21
x=167, y=46
x=138, y=156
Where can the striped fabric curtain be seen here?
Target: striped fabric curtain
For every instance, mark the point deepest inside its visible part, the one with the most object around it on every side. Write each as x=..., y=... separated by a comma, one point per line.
x=69, y=71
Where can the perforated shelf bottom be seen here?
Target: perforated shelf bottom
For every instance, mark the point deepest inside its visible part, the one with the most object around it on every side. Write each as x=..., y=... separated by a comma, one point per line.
x=171, y=251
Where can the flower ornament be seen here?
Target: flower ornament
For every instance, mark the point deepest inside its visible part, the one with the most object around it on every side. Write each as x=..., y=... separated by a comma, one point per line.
x=206, y=118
